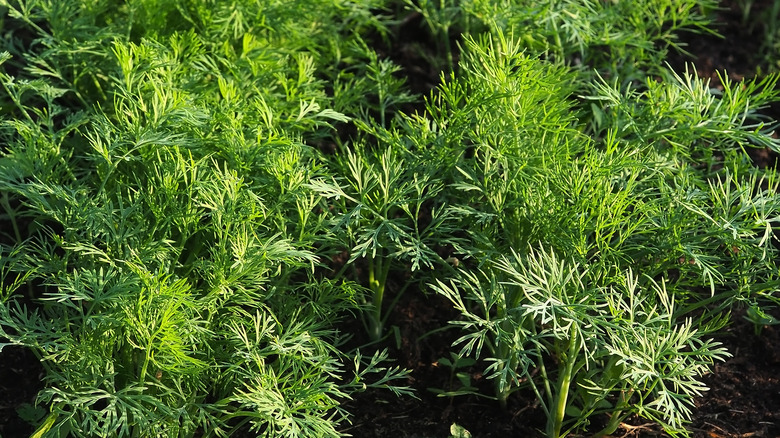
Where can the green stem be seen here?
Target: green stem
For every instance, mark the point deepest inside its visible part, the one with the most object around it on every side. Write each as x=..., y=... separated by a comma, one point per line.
x=502, y=395
x=545, y=380
x=617, y=416
x=555, y=423
x=46, y=426
x=4, y=201
x=614, y=421
x=543, y=372
x=378, y=271
x=145, y=366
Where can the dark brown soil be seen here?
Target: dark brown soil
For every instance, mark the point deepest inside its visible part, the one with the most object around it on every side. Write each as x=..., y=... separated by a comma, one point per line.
x=20, y=381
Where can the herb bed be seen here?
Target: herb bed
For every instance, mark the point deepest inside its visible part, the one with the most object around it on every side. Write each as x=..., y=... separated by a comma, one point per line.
x=224, y=202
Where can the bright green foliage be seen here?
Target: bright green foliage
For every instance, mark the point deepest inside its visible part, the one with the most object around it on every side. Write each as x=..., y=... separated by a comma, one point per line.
x=164, y=225
x=663, y=189
x=177, y=178
x=387, y=216
x=617, y=347
x=385, y=194
x=509, y=122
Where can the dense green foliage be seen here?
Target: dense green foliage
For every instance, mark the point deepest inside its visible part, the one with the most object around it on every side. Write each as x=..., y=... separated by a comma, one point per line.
x=197, y=196
x=155, y=179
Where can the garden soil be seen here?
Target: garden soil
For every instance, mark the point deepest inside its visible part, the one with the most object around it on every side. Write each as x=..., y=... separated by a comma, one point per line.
x=744, y=395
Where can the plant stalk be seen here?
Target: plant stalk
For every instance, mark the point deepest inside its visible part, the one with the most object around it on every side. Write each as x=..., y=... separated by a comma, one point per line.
x=378, y=271
x=555, y=422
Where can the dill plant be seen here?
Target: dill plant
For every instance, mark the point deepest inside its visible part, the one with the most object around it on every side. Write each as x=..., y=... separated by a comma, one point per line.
x=381, y=198
x=162, y=220
x=598, y=254
x=384, y=193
